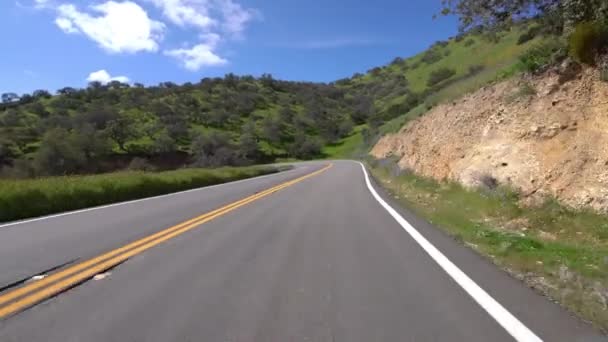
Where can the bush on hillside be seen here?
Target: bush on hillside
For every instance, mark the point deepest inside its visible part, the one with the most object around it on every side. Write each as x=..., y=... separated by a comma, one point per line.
x=440, y=75
x=475, y=69
x=431, y=56
x=587, y=40
x=541, y=56
x=469, y=42
x=528, y=35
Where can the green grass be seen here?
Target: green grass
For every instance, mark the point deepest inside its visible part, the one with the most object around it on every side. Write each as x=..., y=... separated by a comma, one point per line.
x=559, y=251
x=394, y=125
x=21, y=199
x=496, y=59
x=346, y=148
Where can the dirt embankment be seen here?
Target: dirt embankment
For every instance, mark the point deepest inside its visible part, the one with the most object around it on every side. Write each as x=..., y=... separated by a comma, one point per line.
x=543, y=135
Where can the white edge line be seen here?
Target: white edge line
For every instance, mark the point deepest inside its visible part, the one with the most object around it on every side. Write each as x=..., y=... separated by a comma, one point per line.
x=140, y=200
x=510, y=323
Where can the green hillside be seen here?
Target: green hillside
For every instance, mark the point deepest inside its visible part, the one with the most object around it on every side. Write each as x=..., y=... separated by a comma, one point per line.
x=241, y=120
x=222, y=121
x=448, y=69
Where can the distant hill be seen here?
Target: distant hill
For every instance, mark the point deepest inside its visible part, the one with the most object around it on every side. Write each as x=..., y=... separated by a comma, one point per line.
x=407, y=87
x=241, y=119
x=230, y=120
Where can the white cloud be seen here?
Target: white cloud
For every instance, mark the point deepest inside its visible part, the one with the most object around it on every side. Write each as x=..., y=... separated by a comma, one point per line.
x=123, y=26
x=201, y=55
x=235, y=16
x=187, y=12
x=120, y=27
x=66, y=25
x=104, y=77
x=207, y=15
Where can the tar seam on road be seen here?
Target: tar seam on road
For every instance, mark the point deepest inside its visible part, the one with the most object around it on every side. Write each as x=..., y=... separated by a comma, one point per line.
x=30, y=220
x=33, y=293
x=510, y=323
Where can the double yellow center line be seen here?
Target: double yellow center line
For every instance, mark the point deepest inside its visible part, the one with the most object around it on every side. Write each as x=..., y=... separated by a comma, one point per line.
x=32, y=293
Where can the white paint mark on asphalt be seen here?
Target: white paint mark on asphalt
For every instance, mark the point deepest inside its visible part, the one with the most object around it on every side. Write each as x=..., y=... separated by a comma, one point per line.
x=510, y=323
x=37, y=277
x=101, y=276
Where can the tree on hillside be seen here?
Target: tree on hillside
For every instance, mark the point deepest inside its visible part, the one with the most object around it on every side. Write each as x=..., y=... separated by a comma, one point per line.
x=92, y=143
x=249, y=148
x=213, y=149
x=9, y=97
x=58, y=154
x=495, y=13
x=305, y=147
x=66, y=91
x=163, y=143
x=363, y=109
x=121, y=130
x=41, y=93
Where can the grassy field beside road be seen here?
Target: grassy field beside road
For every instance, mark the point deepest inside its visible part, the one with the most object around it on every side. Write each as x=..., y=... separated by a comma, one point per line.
x=558, y=251
x=21, y=199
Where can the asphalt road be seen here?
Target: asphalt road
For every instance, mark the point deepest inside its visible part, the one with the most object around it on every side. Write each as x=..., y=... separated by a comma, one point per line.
x=320, y=260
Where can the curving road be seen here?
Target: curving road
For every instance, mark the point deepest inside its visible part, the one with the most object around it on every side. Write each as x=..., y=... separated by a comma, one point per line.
x=321, y=258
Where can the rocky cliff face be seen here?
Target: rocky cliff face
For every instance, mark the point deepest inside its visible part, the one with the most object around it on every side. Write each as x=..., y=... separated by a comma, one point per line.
x=543, y=135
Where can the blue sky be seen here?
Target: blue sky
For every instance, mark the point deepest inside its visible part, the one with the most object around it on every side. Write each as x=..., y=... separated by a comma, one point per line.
x=49, y=44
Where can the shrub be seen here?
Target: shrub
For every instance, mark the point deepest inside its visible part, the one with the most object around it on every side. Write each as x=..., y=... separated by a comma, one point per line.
x=475, y=69
x=441, y=43
x=140, y=164
x=541, y=55
x=431, y=56
x=525, y=90
x=586, y=41
x=440, y=75
x=469, y=42
x=58, y=154
x=528, y=35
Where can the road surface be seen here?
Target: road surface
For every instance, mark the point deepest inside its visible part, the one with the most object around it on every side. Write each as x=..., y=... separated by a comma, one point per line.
x=316, y=259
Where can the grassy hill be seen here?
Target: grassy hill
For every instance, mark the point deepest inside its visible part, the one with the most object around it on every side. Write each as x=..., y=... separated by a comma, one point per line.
x=243, y=120
x=407, y=87
x=222, y=121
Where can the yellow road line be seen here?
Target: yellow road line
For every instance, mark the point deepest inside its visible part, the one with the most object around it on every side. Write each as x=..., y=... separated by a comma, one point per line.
x=89, y=268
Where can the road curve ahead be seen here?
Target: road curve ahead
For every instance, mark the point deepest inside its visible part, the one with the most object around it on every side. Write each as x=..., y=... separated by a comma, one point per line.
x=313, y=254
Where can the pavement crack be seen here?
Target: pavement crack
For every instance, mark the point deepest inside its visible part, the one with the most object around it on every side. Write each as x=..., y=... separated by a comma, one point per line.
x=23, y=280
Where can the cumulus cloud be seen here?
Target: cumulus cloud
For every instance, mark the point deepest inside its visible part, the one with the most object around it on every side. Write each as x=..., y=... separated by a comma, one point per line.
x=104, y=77
x=200, y=55
x=187, y=12
x=119, y=27
x=235, y=17
x=225, y=15
x=125, y=27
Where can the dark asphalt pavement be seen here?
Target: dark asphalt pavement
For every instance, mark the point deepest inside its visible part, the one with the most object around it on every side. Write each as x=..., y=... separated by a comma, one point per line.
x=321, y=260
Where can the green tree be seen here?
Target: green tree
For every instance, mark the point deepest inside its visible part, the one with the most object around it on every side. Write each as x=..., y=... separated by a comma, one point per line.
x=305, y=146
x=497, y=13
x=249, y=147
x=59, y=154
x=9, y=97
x=213, y=149
x=121, y=130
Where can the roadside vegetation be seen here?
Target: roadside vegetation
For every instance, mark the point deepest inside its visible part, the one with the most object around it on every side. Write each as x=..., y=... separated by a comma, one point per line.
x=221, y=121
x=560, y=252
x=26, y=198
